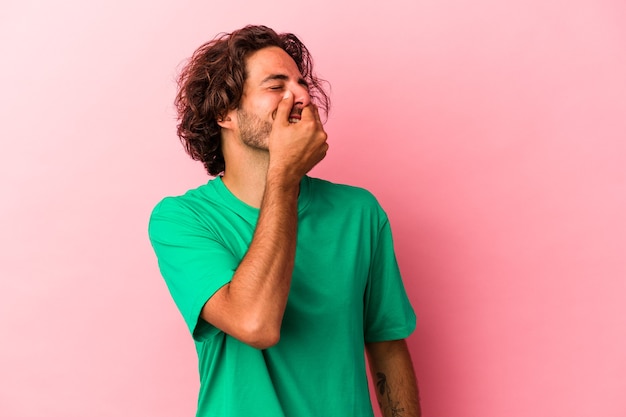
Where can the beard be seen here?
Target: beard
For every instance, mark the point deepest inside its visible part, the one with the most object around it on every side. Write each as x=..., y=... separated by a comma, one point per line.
x=253, y=130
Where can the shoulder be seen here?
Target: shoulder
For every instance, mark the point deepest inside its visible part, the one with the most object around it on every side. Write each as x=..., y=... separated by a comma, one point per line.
x=184, y=210
x=348, y=195
x=352, y=200
x=189, y=201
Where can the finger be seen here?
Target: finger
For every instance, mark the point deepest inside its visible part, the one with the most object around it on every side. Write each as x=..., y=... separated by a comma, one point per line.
x=284, y=109
x=317, y=115
x=311, y=111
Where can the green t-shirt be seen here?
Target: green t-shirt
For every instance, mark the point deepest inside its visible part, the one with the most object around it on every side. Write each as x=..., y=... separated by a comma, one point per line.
x=346, y=290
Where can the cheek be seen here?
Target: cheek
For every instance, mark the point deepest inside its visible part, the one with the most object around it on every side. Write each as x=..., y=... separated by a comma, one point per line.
x=264, y=106
x=268, y=106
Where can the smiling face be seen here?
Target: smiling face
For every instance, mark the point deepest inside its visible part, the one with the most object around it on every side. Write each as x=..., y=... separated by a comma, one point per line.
x=270, y=73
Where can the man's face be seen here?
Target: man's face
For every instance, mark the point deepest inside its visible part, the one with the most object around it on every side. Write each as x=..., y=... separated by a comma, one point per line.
x=271, y=72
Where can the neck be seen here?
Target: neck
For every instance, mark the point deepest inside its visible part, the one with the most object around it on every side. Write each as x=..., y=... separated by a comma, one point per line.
x=246, y=173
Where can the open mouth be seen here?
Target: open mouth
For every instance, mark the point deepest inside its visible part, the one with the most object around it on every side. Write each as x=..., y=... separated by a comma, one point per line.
x=294, y=117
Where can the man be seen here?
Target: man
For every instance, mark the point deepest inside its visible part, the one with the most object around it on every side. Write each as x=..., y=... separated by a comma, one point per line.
x=283, y=280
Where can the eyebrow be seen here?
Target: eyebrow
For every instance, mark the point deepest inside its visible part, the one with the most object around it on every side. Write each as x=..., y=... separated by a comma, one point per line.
x=283, y=77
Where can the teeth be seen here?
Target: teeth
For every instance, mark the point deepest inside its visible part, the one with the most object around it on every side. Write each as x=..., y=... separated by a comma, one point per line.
x=293, y=120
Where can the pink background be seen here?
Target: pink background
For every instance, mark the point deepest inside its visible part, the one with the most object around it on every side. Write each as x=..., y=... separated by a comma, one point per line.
x=494, y=134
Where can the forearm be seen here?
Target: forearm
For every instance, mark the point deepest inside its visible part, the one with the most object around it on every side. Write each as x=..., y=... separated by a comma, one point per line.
x=394, y=379
x=260, y=286
x=251, y=307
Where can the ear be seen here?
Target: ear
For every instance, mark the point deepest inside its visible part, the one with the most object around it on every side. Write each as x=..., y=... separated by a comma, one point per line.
x=227, y=121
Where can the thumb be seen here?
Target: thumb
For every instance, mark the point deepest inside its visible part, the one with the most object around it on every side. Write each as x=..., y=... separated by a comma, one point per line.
x=284, y=108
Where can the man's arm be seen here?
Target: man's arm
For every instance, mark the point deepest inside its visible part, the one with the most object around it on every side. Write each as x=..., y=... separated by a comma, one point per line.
x=251, y=307
x=394, y=378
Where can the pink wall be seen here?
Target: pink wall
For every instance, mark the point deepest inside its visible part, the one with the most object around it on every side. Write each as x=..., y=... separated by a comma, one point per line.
x=494, y=133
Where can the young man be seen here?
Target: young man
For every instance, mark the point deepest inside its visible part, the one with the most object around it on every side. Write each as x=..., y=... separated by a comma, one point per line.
x=283, y=280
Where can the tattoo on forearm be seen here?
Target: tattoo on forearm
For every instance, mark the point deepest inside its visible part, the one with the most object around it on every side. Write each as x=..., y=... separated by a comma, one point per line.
x=385, y=391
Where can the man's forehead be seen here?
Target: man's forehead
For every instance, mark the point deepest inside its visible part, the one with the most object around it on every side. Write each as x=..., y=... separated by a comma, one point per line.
x=271, y=63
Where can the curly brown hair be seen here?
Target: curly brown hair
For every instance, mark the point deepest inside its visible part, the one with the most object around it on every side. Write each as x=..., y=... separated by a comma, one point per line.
x=211, y=84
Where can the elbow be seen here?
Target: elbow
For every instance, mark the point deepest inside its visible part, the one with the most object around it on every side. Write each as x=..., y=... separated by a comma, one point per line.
x=263, y=342
x=260, y=336
x=247, y=323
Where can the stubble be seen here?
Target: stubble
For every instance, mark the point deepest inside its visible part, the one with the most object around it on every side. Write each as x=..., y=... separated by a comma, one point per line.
x=254, y=131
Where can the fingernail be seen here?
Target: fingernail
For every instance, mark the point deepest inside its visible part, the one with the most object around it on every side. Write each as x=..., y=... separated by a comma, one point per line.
x=287, y=95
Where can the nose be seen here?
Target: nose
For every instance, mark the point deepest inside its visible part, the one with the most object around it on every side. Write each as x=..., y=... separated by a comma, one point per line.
x=301, y=95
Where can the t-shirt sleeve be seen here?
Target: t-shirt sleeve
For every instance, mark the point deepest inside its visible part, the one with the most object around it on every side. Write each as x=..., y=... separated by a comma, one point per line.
x=194, y=264
x=388, y=311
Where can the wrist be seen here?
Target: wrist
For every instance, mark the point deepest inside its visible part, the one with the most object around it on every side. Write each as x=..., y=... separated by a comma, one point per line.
x=282, y=179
